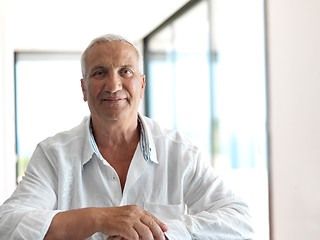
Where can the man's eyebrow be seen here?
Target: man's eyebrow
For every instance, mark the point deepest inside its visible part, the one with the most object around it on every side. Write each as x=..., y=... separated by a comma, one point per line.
x=101, y=67
x=127, y=66
x=98, y=67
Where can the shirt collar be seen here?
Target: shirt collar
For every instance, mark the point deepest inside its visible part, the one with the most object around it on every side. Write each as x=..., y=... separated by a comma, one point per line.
x=146, y=143
x=87, y=149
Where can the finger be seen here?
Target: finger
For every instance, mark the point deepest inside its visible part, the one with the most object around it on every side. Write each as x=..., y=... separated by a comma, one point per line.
x=164, y=227
x=161, y=224
x=123, y=231
x=114, y=238
x=154, y=227
x=128, y=233
x=143, y=231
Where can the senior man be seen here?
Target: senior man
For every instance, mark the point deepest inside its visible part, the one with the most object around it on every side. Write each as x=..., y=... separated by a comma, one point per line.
x=119, y=175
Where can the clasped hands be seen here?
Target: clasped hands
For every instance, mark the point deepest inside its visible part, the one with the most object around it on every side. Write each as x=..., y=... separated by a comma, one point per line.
x=132, y=223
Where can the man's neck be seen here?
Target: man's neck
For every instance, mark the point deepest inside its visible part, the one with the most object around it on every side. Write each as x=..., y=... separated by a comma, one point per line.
x=115, y=132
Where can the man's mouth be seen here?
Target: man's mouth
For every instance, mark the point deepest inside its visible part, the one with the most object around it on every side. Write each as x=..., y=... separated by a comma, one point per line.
x=113, y=99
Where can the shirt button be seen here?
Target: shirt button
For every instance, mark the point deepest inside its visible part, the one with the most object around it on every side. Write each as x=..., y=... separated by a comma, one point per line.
x=114, y=178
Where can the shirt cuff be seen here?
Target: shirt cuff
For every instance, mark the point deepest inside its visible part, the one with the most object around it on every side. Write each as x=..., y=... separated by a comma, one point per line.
x=35, y=224
x=177, y=230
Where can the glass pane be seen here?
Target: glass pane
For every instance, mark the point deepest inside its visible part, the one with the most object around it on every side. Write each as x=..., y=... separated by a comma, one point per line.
x=178, y=76
x=48, y=99
x=239, y=109
x=206, y=78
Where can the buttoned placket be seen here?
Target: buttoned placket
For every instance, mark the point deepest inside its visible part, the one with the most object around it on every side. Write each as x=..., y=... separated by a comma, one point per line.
x=137, y=166
x=115, y=184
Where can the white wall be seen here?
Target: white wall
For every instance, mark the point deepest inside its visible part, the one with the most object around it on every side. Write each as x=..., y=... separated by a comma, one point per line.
x=294, y=80
x=7, y=127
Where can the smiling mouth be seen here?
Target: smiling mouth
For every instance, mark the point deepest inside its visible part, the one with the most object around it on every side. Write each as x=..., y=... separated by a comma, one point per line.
x=113, y=99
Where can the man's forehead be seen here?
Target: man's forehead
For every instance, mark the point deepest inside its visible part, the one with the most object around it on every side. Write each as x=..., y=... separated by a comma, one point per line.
x=112, y=50
x=111, y=54
x=114, y=46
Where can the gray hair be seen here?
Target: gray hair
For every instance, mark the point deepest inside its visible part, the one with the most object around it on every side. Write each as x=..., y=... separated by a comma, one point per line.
x=109, y=38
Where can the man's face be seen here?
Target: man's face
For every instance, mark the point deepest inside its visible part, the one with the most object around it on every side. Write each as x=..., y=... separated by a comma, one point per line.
x=113, y=85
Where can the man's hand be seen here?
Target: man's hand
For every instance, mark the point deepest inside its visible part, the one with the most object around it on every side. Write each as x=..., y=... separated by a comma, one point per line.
x=127, y=222
x=130, y=222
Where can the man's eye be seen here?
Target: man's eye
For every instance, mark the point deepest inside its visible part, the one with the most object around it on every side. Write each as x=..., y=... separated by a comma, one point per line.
x=126, y=73
x=98, y=73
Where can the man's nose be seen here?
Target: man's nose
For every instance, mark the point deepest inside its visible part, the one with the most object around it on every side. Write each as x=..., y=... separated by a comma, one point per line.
x=113, y=83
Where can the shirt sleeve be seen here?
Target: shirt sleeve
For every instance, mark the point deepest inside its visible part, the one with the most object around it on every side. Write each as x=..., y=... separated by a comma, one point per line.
x=28, y=213
x=214, y=212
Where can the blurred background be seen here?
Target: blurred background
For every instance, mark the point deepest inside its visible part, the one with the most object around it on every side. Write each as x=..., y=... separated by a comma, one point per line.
x=240, y=78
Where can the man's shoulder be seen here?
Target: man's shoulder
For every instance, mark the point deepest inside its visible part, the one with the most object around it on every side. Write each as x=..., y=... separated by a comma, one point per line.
x=170, y=135
x=65, y=137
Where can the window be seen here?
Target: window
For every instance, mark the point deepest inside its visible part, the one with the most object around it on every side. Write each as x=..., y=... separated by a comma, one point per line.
x=48, y=99
x=205, y=70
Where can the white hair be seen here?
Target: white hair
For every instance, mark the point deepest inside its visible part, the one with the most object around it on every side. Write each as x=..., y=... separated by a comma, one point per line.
x=109, y=38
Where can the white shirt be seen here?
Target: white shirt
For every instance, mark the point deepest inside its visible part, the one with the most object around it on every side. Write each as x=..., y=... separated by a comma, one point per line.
x=172, y=182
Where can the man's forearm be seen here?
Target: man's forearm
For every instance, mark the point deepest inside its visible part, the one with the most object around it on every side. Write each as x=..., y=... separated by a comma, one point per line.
x=73, y=224
x=129, y=222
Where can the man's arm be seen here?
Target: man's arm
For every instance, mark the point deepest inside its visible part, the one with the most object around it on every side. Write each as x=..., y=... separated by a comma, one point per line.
x=214, y=212
x=127, y=222
x=30, y=214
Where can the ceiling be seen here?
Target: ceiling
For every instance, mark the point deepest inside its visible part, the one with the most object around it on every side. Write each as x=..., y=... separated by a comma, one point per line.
x=46, y=25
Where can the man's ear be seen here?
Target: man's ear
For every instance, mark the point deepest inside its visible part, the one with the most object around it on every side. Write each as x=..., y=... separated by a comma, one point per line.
x=143, y=85
x=84, y=90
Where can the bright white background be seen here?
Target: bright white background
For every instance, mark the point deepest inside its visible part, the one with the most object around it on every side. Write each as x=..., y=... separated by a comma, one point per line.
x=60, y=25
x=293, y=49
x=49, y=99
